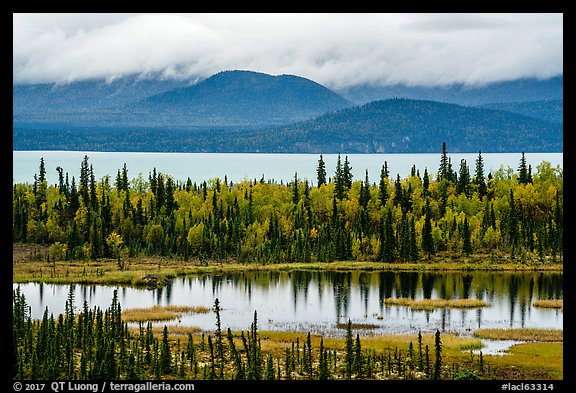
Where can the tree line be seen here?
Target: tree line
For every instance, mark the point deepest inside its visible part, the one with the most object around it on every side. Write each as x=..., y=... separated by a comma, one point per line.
x=455, y=211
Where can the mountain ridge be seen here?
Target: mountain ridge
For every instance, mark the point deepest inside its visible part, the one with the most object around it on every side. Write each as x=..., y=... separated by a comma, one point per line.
x=257, y=112
x=385, y=126
x=404, y=125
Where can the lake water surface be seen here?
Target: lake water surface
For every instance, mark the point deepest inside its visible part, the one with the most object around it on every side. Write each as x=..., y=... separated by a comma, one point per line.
x=317, y=301
x=238, y=166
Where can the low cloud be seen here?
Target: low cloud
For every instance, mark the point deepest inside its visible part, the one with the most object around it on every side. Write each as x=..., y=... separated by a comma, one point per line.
x=336, y=50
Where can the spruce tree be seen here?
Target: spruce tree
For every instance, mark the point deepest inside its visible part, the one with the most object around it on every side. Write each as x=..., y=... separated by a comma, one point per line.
x=443, y=172
x=270, y=371
x=387, y=238
x=466, y=236
x=523, y=171
x=321, y=171
x=295, y=195
x=420, y=355
x=462, y=186
x=364, y=196
x=427, y=240
x=219, y=341
x=339, y=180
x=358, y=359
x=413, y=247
x=425, y=183
x=512, y=223
x=383, y=185
x=347, y=174
x=438, y=353
x=349, y=351
x=479, y=176
x=398, y=191
x=165, y=355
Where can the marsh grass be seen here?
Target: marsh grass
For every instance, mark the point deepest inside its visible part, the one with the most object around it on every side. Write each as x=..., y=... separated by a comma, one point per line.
x=525, y=334
x=175, y=331
x=539, y=360
x=161, y=313
x=430, y=304
x=554, y=303
x=357, y=326
x=105, y=271
x=380, y=343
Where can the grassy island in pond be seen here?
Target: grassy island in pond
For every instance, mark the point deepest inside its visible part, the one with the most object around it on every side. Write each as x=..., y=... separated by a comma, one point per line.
x=430, y=304
x=161, y=313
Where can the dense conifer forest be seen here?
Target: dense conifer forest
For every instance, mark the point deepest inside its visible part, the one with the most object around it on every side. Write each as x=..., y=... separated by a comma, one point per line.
x=457, y=209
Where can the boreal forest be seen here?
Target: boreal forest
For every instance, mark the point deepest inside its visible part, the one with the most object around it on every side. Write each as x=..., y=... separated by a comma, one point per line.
x=457, y=209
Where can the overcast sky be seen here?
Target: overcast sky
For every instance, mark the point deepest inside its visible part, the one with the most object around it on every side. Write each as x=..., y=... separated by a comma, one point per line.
x=336, y=50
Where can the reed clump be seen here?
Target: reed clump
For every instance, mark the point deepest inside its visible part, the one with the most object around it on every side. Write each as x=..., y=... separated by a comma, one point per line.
x=554, y=303
x=430, y=304
x=161, y=313
x=522, y=334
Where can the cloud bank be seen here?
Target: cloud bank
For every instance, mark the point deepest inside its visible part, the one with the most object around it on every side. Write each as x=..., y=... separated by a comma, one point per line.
x=336, y=50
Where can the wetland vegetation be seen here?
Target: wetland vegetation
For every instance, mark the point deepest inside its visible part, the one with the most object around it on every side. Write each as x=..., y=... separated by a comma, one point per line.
x=97, y=344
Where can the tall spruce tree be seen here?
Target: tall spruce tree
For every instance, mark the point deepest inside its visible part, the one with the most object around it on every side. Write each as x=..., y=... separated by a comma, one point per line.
x=321, y=171
x=425, y=183
x=165, y=354
x=463, y=184
x=523, y=171
x=339, y=179
x=427, y=240
x=479, y=176
x=295, y=194
x=438, y=353
x=443, y=170
x=466, y=237
x=383, y=185
x=349, y=351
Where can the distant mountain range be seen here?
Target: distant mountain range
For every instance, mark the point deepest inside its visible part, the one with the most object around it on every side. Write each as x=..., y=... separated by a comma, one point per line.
x=548, y=110
x=519, y=90
x=230, y=98
x=247, y=111
x=404, y=126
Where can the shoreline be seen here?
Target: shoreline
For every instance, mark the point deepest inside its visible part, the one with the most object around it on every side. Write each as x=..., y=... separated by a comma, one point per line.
x=156, y=271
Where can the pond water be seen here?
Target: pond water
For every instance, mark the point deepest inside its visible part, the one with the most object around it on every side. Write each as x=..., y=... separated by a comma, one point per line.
x=317, y=301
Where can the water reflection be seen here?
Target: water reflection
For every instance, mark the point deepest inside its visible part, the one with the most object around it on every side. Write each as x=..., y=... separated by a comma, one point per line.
x=317, y=301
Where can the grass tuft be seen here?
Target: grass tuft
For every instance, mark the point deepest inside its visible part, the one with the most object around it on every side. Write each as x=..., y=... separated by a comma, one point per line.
x=526, y=334
x=555, y=303
x=161, y=313
x=430, y=304
x=357, y=326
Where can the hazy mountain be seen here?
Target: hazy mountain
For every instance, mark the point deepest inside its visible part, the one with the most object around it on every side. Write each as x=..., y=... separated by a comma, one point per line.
x=389, y=126
x=248, y=111
x=549, y=110
x=520, y=90
x=231, y=98
x=89, y=94
x=246, y=98
x=402, y=126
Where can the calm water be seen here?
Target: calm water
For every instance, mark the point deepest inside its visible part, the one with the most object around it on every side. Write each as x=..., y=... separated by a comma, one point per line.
x=239, y=166
x=317, y=301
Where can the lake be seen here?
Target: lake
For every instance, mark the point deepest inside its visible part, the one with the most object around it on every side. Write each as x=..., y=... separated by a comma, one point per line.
x=238, y=166
x=317, y=301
